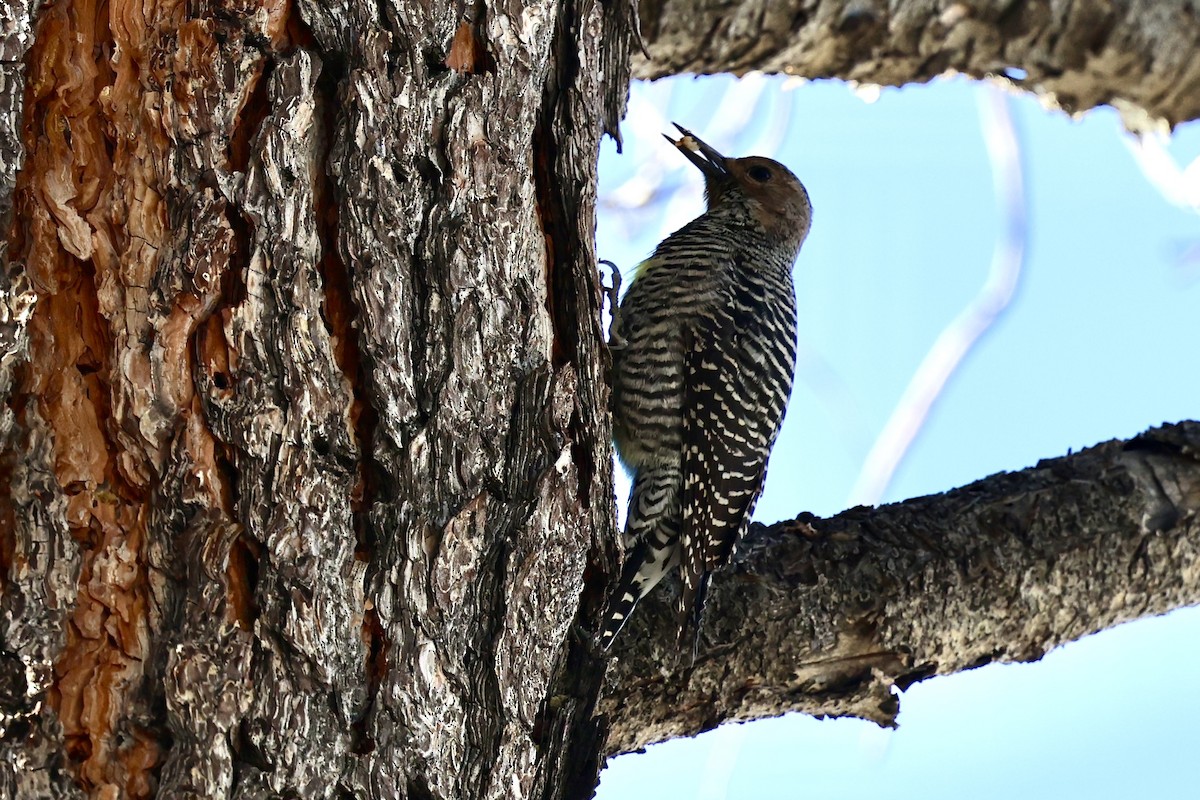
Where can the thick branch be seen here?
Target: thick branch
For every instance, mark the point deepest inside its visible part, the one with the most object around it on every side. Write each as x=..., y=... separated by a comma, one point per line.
x=1135, y=54
x=825, y=616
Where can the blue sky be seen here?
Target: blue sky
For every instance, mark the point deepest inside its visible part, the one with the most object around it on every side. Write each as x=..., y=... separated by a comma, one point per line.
x=1098, y=342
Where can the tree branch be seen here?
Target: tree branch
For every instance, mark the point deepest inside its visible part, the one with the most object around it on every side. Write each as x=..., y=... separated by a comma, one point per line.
x=1134, y=54
x=825, y=616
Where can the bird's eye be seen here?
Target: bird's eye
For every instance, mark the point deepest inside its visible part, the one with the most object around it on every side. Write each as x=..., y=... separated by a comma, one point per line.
x=759, y=173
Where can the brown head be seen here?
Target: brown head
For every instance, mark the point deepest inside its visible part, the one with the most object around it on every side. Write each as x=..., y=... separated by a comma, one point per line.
x=776, y=198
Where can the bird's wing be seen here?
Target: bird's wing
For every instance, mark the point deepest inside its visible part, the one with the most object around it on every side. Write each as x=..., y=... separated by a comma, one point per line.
x=732, y=413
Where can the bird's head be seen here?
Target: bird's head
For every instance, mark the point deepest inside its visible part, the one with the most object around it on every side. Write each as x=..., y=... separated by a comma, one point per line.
x=776, y=198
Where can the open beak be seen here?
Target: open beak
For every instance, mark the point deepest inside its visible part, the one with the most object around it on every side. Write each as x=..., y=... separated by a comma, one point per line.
x=708, y=160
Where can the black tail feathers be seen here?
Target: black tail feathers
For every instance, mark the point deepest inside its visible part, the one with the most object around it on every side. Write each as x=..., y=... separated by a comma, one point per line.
x=623, y=599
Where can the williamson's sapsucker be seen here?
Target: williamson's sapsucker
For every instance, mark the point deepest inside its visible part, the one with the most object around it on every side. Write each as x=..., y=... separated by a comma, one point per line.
x=704, y=346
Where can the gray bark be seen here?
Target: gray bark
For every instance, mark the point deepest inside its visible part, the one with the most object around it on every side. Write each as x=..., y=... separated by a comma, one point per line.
x=303, y=425
x=311, y=452
x=16, y=297
x=1138, y=55
x=825, y=616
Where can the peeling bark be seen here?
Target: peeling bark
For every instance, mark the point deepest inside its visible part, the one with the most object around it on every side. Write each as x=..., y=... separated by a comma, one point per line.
x=1137, y=55
x=826, y=616
x=310, y=453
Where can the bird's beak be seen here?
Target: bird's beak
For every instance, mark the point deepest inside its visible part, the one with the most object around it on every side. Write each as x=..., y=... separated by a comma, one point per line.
x=706, y=158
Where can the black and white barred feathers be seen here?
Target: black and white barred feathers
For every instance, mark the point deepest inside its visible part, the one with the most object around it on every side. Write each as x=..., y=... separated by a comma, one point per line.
x=704, y=345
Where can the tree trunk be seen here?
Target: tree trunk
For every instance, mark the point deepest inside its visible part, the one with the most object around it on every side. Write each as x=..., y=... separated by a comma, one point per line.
x=303, y=416
x=310, y=468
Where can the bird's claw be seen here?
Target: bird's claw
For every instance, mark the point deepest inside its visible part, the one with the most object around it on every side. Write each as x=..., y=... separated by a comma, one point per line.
x=589, y=640
x=613, y=294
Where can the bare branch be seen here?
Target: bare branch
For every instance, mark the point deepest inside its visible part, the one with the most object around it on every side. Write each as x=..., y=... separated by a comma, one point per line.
x=966, y=330
x=826, y=616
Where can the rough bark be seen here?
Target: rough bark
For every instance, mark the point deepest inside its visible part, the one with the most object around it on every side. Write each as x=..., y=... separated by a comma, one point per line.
x=1138, y=55
x=826, y=616
x=16, y=297
x=310, y=453
x=303, y=430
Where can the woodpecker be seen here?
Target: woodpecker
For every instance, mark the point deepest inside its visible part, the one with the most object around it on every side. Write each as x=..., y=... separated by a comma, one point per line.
x=704, y=346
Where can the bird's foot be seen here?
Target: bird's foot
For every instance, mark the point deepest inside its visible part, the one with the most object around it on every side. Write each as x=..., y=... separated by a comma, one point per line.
x=613, y=294
x=590, y=641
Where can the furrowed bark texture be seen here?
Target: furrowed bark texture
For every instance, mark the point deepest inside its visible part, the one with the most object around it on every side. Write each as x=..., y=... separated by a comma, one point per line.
x=30, y=741
x=1138, y=55
x=826, y=616
x=309, y=470
x=16, y=297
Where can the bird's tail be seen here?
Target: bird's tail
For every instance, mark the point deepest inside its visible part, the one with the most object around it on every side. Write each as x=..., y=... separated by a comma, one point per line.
x=652, y=539
x=624, y=597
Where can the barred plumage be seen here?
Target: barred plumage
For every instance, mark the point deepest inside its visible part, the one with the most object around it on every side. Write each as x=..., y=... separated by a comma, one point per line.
x=703, y=354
